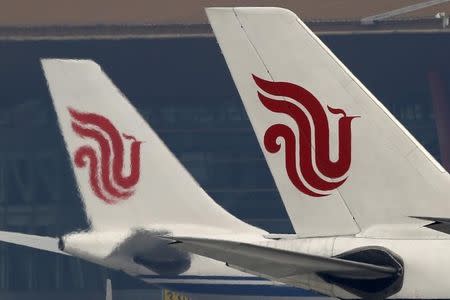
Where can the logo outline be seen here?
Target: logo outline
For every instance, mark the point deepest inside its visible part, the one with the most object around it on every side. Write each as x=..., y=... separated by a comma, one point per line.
x=106, y=165
x=308, y=145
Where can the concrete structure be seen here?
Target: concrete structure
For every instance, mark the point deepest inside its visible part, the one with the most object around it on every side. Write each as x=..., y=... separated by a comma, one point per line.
x=140, y=18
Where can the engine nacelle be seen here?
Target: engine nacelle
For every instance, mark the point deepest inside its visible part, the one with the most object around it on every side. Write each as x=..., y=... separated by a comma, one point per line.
x=370, y=288
x=122, y=250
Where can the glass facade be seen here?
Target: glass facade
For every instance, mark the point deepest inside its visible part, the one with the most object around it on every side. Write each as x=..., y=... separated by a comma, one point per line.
x=184, y=90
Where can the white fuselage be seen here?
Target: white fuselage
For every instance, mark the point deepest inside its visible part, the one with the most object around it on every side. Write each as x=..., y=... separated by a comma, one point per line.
x=424, y=254
x=426, y=263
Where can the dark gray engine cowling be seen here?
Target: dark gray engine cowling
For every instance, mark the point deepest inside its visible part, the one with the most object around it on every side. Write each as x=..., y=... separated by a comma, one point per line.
x=156, y=254
x=164, y=260
x=370, y=288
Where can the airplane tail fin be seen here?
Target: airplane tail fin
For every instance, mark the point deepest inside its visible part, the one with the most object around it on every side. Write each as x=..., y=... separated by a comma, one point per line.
x=341, y=161
x=126, y=176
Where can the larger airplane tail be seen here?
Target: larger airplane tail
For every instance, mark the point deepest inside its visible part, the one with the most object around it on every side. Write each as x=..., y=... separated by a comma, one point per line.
x=341, y=161
x=127, y=177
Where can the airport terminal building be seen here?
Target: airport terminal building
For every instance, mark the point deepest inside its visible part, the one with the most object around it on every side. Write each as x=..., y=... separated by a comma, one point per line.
x=165, y=58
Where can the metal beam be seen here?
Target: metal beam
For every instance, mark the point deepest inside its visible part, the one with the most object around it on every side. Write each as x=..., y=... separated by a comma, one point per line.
x=121, y=32
x=400, y=11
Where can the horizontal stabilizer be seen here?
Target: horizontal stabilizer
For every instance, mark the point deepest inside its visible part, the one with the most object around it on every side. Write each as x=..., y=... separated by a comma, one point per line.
x=33, y=241
x=438, y=224
x=281, y=264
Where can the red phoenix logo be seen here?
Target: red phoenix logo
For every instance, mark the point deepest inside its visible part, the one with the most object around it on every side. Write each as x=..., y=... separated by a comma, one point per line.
x=106, y=169
x=314, y=134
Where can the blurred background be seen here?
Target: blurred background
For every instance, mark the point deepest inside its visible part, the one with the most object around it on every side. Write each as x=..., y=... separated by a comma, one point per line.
x=163, y=56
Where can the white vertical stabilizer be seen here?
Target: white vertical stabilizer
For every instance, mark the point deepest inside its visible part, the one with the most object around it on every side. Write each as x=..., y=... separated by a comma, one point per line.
x=341, y=161
x=126, y=176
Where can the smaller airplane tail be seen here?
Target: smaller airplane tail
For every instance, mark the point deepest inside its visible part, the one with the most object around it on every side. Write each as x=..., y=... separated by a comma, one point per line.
x=126, y=176
x=342, y=163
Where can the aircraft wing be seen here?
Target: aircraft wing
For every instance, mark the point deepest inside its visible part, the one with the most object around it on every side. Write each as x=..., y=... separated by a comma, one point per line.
x=281, y=265
x=33, y=241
